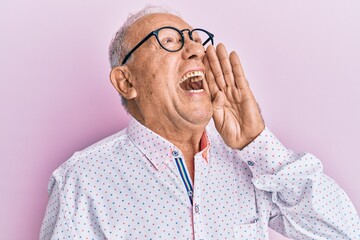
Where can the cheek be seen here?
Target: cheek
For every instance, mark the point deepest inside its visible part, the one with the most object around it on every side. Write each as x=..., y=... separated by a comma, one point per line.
x=151, y=88
x=159, y=75
x=146, y=91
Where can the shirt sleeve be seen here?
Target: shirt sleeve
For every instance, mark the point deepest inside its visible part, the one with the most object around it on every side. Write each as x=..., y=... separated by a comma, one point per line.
x=307, y=204
x=55, y=224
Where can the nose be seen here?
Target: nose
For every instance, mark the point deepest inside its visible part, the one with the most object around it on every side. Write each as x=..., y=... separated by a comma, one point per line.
x=192, y=49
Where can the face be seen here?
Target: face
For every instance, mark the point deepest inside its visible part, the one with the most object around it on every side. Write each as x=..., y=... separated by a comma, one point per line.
x=170, y=86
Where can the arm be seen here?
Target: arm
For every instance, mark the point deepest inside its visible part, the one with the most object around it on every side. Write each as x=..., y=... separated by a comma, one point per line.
x=54, y=223
x=306, y=203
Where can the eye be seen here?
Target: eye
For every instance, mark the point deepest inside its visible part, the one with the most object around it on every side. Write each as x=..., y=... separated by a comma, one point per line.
x=168, y=40
x=171, y=43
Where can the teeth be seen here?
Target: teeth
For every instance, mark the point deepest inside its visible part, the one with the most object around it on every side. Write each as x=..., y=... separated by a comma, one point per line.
x=196, y=91
x=198, y=74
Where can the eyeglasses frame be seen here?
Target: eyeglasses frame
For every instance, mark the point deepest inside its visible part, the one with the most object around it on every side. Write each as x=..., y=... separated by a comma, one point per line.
x=155, y=33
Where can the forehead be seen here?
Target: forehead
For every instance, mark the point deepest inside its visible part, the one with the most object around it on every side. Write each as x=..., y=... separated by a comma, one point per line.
x=151, y=22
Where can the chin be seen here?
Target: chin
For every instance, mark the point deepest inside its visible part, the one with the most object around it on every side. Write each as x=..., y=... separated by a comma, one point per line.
x=201, y=117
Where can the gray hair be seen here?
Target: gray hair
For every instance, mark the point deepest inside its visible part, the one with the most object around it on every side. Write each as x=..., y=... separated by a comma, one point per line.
x=119, y=45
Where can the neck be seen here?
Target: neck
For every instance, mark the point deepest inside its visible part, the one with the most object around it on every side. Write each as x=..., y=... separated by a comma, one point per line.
x=186, y=138
x=184, y=135
x=187, y=141
x=181, y=132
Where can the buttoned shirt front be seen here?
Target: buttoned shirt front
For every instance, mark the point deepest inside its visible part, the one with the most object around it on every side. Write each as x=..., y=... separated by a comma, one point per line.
x=132, y=185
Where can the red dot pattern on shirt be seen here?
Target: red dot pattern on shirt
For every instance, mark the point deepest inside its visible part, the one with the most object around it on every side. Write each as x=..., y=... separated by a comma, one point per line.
x=127, y=187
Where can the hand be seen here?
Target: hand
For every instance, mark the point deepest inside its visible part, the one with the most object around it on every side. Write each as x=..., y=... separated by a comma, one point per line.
x=236, y=114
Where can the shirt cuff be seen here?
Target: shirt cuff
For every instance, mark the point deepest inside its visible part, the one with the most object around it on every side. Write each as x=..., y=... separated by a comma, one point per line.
x=265, y=154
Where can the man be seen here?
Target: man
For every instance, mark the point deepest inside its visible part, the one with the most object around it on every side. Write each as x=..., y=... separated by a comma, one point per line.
x=173, y=175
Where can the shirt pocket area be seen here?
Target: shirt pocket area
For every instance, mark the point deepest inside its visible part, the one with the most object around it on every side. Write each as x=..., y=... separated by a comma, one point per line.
x=245, y=231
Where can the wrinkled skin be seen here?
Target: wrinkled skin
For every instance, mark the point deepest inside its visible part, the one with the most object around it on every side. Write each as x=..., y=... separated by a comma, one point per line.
x=150, y=82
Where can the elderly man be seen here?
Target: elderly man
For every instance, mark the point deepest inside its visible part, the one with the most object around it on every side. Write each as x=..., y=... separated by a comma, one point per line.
x=173, y=175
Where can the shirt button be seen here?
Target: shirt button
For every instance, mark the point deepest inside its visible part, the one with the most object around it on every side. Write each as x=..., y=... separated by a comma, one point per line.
x=250, y=163
x=175, y=153
x=197, y=208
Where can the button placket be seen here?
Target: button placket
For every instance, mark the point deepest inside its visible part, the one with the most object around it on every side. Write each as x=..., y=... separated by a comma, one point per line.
x=197, y=208
x=183, y=174
x=201, y=172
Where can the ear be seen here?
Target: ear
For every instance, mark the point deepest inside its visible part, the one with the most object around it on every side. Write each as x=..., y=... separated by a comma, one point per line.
x=119, y=77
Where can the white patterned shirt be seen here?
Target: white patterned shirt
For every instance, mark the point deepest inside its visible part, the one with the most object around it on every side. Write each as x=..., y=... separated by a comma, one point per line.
x=135, y=185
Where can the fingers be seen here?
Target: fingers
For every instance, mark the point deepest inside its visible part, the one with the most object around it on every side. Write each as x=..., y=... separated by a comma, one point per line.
x=224, y=73
x=213, y=87
x=225, y=64
x=238, y=71
x=216, y=67
x=217, y=96
x=225, y=69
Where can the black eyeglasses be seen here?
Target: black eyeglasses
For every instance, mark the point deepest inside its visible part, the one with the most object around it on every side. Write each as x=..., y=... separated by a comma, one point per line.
x=172, y=39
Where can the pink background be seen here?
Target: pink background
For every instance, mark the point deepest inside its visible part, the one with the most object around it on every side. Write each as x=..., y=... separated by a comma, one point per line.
x=301, y=58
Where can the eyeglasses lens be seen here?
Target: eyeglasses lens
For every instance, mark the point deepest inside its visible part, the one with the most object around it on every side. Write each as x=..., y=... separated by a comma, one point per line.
x=170, y=39
x=201, y=37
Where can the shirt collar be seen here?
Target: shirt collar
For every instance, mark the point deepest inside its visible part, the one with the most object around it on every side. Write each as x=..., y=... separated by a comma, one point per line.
x=204, y=146
x=156, y=148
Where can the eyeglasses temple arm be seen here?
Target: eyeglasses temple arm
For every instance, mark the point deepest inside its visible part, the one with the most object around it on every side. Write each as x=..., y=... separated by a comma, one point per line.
x=136, y=47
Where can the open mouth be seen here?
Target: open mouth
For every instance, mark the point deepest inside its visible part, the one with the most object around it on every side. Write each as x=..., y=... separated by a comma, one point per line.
x=192, y=82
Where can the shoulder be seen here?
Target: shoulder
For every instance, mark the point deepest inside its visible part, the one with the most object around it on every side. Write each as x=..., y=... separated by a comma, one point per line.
x=87, y=158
